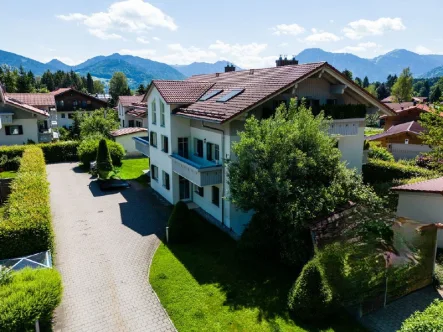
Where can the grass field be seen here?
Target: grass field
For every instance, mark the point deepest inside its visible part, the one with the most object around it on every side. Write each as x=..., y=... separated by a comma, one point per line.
x=8, y=174
x=208, y=285
x=132, y=169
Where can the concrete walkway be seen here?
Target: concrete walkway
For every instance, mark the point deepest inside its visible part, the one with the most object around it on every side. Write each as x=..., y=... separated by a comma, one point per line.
x=104, y=245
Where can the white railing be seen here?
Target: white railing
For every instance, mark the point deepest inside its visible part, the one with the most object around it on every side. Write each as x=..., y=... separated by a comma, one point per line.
x=345, y=127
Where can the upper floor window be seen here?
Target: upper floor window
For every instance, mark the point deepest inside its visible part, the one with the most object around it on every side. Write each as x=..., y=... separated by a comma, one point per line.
x=216, y=196
x=138, y=124
x=165, y=179
x=212, y=152
x=183, y=148
x=154, y=172
x=165, y=144
x=154, y=112
x=162, y=114
x=14, y=130
x=131, y=123
x=153, y=139
x=63, y=115
x=198, y=147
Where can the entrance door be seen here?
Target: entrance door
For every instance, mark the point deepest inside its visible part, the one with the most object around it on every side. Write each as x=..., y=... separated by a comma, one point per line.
x=185, y=191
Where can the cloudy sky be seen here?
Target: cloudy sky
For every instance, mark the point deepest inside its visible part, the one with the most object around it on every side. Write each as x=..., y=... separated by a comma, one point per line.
x=246, y=32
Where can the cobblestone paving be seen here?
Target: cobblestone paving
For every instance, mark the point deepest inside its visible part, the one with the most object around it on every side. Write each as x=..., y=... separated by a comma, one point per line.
x=391, y=318
x=104, y=245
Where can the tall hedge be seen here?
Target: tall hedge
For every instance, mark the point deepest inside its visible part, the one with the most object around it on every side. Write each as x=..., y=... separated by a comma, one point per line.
x=27, y=296
x=386, y=171
x=27, y=228
x=429, y=320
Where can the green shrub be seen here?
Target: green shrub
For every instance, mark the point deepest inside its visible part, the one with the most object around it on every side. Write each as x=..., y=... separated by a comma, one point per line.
x=12, y=151
x=311, y=297
x=438, y=275
x=180, y=224
x=379, y=152
x=27, y=296
x=60, y=152
x=377, y=170
x=429, y=320
x=104, y=162
x=27, y=227
x=87, y=151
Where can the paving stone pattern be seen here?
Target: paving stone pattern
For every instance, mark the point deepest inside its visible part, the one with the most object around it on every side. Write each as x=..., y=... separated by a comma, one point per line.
x=104, y=245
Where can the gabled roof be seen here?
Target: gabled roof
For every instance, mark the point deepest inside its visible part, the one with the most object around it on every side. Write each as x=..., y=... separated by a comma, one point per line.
x=131, y=100
x=16, y=103
x=400, y=111
x=430, y=186
x=127, y=131
x=138, y=113
x=181, y=92
x=61, y=91
x=257, y=85
x=34, y=99
x=412, y=127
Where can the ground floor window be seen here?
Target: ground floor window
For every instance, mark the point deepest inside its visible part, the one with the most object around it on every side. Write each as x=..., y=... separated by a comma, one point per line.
x=166, y=180
x=153, y=139
x=154, y=172
x=165, y=144
x=123, y=123
x=185, y=192
x=216, y=195
x=14, y=130
x=63, y=115
x=199, y=190
x=138, y=124
x=131, y=123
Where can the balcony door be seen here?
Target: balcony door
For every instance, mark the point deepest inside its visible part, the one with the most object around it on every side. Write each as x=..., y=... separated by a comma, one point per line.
x=185, y=190
x=183, y=147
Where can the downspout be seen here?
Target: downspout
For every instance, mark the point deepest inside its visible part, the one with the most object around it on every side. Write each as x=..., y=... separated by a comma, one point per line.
x=223, y=168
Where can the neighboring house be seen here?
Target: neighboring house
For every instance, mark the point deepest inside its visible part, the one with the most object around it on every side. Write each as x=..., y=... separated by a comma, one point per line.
x=20, y=122
x=422, y=202
x=69, y=101
x=193, y=124
x=391, y=99
x=132, y=112
x=125, y=136
x=402, y=130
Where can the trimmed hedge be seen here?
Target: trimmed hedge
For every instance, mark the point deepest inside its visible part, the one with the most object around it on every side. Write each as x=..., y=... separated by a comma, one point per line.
x=53, y=152
x=87, y=151
x=386, y=171
x=27, y=296
x=27, y=227
x=379, y=152
x=429, y=320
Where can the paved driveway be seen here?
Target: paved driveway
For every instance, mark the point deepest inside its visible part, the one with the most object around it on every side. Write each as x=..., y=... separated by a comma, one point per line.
x=104, y=244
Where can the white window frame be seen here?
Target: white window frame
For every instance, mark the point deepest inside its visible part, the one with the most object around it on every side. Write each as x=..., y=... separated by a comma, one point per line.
x=163, y=144
x=154, y=175
x=151, y=138
x=166, y=184
x=154, y=112
x=162, y=114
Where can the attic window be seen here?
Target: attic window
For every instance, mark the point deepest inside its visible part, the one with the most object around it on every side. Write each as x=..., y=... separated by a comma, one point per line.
x=210, y=94
x=233, y=93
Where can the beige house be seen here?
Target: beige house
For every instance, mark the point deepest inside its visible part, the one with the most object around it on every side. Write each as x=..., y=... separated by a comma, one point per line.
x=125, y=136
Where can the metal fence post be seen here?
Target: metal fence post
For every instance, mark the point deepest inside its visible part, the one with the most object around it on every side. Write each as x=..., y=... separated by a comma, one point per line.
x=167, y=234
x=37, y=326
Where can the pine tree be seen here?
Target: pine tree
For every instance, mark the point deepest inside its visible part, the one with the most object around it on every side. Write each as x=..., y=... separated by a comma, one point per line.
x=358, y=81
x=48, y=80
x=104, y=161
x=366, y=82
x=89, y=83
x=347, y=73
x=382, y=92
x=436, y=94
x=141, y=90
x=23, y=85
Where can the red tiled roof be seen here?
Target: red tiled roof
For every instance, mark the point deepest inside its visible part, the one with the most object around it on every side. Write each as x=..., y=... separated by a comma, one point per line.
x=389, y=99
x=59, y=91
x=34, y=99
x=429, y=186
x=26, y=107
x=64, y=90
x=402, y=109
x=138, y=113
x=131, y=100
x=181, y=92
x=258, y=85
x=127, y=131
x=412, y=127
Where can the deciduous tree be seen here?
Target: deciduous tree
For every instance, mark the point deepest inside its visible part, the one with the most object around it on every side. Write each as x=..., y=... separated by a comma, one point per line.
x=118, y=86
x=402, y=89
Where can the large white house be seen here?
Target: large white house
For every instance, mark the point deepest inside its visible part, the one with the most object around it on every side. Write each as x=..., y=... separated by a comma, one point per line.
x=192, y=125
x=25, y=118
x=132, y=112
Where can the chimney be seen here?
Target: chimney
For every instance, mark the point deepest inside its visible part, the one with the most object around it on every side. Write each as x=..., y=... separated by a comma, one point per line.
x=229, y=67
x=285, y=61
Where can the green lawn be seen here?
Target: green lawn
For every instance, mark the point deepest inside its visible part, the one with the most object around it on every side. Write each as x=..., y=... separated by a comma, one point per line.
x=208, y=285
x=8, y=174
x=132, y=169
x=370, y=131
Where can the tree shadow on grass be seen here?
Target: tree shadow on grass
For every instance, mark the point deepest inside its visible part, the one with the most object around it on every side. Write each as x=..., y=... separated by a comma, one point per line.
x=247, y=281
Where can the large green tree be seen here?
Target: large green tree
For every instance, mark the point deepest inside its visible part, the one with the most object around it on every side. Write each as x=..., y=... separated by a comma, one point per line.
x=402, y=89
x=118, y=86
x=288, y=170
x=89, y=83
x=435, y=94
x=432, y=122
x=100, y=122
x=366, y=82
x=99, y=87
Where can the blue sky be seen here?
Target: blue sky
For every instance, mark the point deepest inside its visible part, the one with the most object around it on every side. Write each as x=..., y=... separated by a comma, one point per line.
x=249, y=33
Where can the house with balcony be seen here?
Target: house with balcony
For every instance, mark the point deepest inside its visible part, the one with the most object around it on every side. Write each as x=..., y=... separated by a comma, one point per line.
x=193, y=123
x=21, y=122
x=132, y=112
x=70, y=100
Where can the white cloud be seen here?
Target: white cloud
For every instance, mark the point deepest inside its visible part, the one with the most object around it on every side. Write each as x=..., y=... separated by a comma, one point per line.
x=288, y=29
x=360, y=48
x=420, y=49
x=132, y=16
x=244, y=55
x=283, y=45
x=319, y=36
x=156, y=38
x=143, y=53
x=142, y=40
x=362, y=28
x=177, y=54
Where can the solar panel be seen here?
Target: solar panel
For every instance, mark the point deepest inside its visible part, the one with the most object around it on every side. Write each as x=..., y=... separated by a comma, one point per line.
x=210, y=94
x=230, y=95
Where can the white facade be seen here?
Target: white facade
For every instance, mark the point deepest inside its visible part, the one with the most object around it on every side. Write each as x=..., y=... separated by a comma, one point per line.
x=187, y=173
x=128, y=120
x=127, y=141
x=422, y=207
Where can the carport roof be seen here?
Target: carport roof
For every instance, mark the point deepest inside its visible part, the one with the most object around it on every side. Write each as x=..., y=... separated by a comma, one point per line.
x=434, y=186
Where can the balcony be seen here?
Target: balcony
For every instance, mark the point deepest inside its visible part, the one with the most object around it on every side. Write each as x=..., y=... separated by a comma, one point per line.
x=45, y=137
x=345, y=127
x=197, y=170
x=142, y=145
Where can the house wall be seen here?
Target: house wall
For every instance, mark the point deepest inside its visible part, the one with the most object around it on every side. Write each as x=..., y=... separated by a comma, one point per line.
x=422, y=207
x=65, y=102
x=351, y=148
x=400, y=139
x=124, y=118
x=129, y=144
x=27, y=120
x=407, y=151
x=403, y=117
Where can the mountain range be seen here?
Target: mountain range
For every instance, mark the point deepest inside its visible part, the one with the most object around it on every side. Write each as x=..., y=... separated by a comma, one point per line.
x=140, y=70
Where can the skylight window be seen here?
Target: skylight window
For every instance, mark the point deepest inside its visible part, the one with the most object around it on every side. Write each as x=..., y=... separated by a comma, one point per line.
x=210, y=94
x=233, y=93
